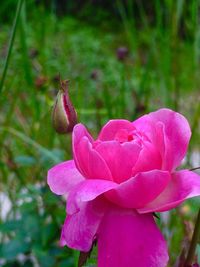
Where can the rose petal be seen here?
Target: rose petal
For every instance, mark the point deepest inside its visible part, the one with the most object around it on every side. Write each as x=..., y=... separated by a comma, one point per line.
x=149, y=159
x=79, y=229
x=128, y=239
x=63, y=177
x=169, y=131
x=79, y=132
x=110, y=129
x=183, y=185
x=90, y=163
x=139, y=190
x=87, y=191
x=120, y=158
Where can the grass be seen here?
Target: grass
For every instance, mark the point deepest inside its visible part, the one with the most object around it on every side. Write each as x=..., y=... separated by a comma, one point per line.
x=162, y=69
x=12, y=38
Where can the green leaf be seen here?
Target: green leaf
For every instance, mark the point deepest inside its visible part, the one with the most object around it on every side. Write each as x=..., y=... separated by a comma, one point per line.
x=43, y=257
x=32, y=227
x=14, y=247
x=48, y=233
x=24, y=160
x=67, y=262
x=10, y=226
x=28, y=263
x=12, y=264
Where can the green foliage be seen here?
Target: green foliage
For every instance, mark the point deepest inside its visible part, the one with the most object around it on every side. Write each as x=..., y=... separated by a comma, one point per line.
x=161, y=69
x=198, y=253
x=35, y=232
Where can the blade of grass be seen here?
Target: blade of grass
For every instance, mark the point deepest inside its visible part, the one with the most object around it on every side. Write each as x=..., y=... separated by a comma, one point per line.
x=11, y=42
x=23, y=38
x=128, y=23
x=196, y=23
x=32, y=143
x=176, y=16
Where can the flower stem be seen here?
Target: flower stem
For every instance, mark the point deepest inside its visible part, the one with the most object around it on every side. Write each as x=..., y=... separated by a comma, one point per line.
x=18, y=10
x=195, y=237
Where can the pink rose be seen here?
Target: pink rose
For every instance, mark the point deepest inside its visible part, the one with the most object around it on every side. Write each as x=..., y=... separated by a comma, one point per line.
x=117, y=181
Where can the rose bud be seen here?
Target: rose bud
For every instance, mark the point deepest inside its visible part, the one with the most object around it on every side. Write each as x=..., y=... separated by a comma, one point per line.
x=94, y=75
x=122, y=53
x=64, y=116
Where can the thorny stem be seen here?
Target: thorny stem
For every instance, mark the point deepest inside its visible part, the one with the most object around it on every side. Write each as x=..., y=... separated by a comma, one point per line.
x=195, y=237
x=14, y=28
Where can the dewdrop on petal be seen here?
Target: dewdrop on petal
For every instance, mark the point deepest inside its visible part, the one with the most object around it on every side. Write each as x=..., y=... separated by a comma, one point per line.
x=64, y=116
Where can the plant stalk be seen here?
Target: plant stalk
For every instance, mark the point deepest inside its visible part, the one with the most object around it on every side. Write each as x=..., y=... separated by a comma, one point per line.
x=11, y=42
x=193, y=244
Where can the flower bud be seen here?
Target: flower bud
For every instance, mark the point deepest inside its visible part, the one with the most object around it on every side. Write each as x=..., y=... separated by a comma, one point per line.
x=64, y=115
x=122, y=53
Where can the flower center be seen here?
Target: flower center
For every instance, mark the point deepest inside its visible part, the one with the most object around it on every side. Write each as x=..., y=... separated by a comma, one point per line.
x=124, y=136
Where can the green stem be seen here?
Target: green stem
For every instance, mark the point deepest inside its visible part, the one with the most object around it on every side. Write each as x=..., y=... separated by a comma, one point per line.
x=195, y=237
x=14, y=28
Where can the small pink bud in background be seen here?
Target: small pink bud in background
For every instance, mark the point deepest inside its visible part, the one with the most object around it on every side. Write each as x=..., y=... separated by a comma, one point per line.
x=94, y=74
x=122, y=53
x=64, y=115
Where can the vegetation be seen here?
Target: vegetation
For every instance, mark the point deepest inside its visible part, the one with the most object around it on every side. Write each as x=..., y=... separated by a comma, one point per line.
x=122, y=61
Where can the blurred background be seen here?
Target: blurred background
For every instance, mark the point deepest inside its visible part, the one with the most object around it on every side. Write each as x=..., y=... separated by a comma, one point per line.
x=123, y=59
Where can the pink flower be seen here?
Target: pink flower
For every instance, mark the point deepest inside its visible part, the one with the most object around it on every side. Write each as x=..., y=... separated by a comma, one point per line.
x=116, y=182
